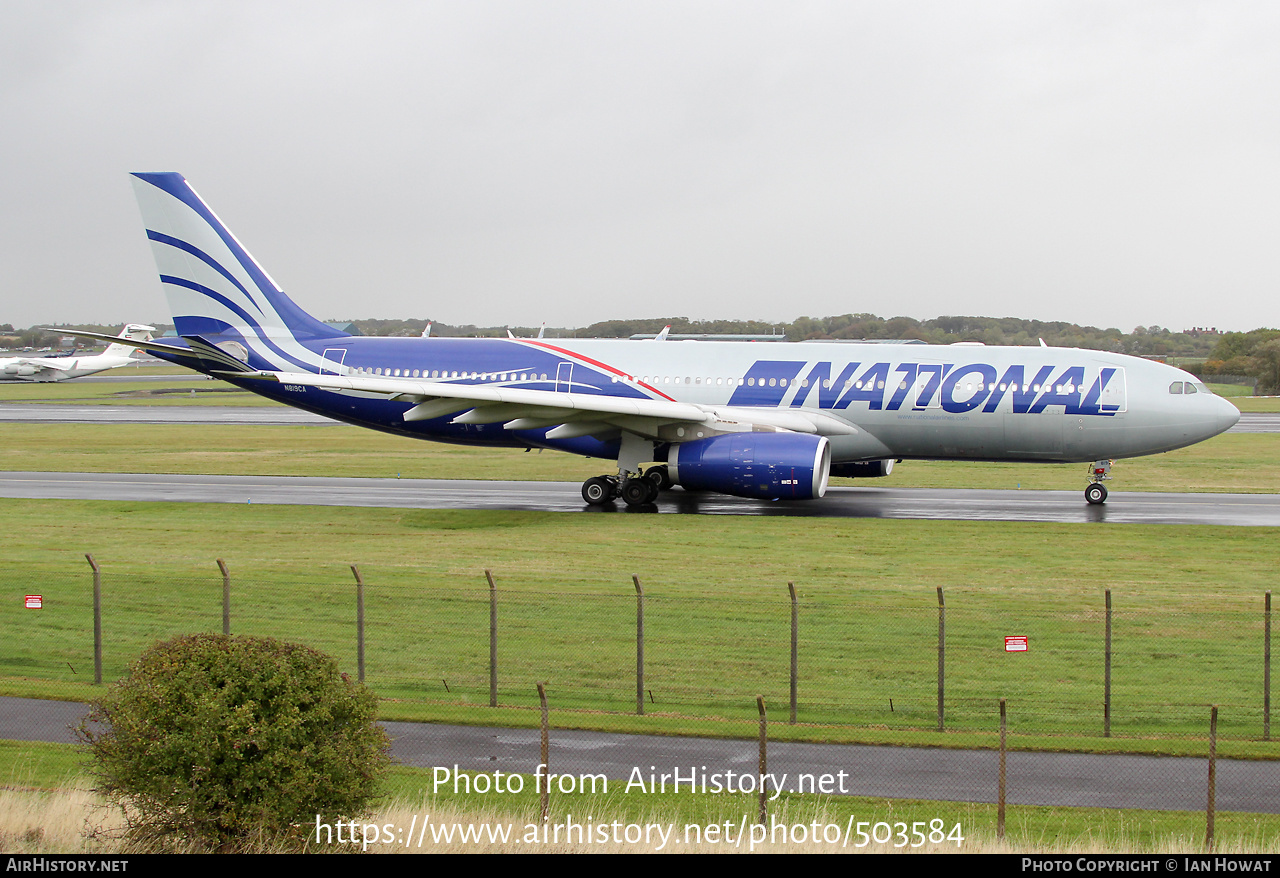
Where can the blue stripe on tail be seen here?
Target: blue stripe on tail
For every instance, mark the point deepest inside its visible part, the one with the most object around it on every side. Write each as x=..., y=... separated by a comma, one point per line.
x=299, y=323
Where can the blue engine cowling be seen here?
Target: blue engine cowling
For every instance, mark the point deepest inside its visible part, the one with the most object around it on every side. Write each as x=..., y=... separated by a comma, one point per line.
x=793, y=466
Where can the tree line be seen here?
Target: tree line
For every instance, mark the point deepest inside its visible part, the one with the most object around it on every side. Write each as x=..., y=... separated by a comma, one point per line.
x=1254, y=354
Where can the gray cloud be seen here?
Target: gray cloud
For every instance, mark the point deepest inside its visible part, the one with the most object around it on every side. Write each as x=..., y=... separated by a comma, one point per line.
x=572, y=161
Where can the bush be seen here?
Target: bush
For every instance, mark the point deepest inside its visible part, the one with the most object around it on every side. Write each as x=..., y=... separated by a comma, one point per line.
x=213, y=739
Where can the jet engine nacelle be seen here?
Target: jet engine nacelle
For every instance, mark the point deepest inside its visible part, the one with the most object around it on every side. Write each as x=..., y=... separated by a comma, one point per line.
x=867, y=469
x=19, y=369
x=792, y=466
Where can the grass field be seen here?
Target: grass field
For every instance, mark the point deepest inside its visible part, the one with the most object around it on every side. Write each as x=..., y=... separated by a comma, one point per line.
x=1187, y=598
x=1187, y=623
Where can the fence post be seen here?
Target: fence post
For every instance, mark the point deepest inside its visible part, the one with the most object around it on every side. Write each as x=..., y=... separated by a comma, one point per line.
x=764, y=738
x=544, y=772
x=942, y=653
x=795, y=632
x=1000, y=808
x=1213, y=777
x=493, y=640
x=359, y=622
x=226, y=597
x=97, y=620
x=639, y=646
x=1266, y=671
x=1106, y=676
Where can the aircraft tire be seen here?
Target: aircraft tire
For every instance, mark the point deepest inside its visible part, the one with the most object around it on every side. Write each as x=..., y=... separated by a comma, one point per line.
x=660, y=477
x=639, y=492
x=597, y=491
x=1095, y=494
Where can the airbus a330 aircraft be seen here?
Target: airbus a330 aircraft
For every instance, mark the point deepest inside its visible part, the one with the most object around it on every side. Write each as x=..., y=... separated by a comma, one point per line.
x=62, y=368
x=767, y=421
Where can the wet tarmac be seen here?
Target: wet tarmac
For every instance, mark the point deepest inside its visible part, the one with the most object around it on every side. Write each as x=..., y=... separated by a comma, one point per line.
x=907, y=503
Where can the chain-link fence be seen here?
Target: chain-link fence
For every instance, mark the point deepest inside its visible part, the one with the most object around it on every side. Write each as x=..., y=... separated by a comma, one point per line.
x=924, y=667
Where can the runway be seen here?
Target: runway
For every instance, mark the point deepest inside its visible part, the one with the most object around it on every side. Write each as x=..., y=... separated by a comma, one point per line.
x=841, y=502
x=1062, y=779
x=907, y=503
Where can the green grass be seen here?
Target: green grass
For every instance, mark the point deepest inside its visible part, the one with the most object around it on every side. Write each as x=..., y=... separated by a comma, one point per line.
x=1187, y=623
x=39, y=766
x=1231, y=390
x=1257, y=403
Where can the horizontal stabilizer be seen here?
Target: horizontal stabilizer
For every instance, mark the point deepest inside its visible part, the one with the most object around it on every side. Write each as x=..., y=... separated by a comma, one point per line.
x=212, y=354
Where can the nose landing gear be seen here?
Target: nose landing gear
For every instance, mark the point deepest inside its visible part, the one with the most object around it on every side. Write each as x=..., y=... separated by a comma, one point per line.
x=1096, y=493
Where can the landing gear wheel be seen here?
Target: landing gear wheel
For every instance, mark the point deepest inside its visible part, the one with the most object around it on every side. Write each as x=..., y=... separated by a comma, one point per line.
x=598, y=491
x=639, y=492
x=660, y=477
x=1096, y=494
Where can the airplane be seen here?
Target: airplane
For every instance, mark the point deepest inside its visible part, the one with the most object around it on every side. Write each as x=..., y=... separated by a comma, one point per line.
x=764, y=421
x=45, y=369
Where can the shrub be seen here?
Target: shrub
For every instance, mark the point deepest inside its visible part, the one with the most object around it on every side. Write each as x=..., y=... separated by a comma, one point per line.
x=211, y=740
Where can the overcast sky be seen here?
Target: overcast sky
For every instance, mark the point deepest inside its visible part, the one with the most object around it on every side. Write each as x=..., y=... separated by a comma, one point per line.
x=501, y=163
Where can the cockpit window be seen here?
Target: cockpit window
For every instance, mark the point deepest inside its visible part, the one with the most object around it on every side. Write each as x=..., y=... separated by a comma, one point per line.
x=1175, y=387
x=1189, y=388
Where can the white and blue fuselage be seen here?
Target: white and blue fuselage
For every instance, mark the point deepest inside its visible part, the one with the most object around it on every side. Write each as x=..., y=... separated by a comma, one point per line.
x=765, y=420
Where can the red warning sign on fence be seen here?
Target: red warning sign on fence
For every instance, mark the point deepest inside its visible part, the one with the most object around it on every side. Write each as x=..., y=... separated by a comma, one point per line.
x=1015, y=644
x=33, y=601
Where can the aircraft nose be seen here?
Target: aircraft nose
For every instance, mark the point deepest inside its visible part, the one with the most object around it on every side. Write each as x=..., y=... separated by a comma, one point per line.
x=1225, y=415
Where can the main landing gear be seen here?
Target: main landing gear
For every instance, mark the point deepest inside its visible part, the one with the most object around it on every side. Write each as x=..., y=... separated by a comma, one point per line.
x=635, y=486
x=1096, y=493
x=635, y=490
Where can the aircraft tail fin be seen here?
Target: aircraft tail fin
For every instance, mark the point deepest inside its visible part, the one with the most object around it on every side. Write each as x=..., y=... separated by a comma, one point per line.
x=215, y=288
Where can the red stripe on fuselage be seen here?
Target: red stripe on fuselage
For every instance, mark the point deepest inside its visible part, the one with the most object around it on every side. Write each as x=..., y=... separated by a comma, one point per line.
x=604, y=366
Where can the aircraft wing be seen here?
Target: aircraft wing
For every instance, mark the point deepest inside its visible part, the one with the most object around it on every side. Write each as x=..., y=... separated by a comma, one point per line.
x=568, y=414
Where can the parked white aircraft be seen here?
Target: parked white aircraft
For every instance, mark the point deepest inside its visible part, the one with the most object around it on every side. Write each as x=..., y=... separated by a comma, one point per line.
x=62, y=368
x=768, y=421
